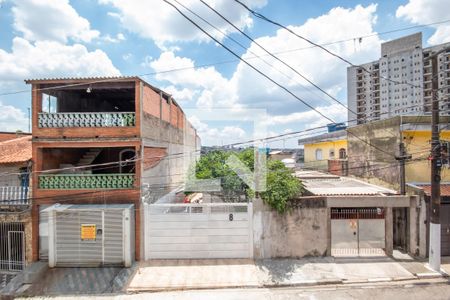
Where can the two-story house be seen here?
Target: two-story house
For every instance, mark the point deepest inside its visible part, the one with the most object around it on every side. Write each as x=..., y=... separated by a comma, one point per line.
x=101, y=146
x=15, y=194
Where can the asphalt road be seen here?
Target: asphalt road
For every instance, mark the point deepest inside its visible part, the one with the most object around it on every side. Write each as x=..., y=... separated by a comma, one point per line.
x=435, y=290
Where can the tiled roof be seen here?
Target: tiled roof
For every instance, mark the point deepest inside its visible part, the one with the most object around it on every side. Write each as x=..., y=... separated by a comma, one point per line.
x=16, y=150
x=445, y=189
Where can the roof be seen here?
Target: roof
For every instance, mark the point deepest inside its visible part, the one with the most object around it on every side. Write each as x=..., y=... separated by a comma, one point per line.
x=426, y=188
x=321, y=184
x=6, y=135
x=95, y=79
x=329, y=136
x=16, y=150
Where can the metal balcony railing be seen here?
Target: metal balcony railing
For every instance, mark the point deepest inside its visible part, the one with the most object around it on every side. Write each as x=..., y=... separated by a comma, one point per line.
x=14, y=195
x=101, y=119
x=85, y=181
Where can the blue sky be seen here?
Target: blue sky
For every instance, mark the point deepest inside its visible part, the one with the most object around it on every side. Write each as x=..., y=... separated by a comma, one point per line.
x=61, y=38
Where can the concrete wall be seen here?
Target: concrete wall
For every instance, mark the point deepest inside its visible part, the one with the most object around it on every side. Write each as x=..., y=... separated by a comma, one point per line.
x=303, y=231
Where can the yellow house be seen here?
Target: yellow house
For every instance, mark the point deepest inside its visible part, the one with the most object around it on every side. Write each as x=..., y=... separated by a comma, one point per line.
x=321, y=148
x=374, y=146
x=417, y=144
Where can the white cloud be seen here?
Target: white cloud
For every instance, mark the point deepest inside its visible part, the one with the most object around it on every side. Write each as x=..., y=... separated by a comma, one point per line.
x=12, y=118
x=111, y=39
x=428, y=11
x=52, y=59
x=180, y=95
x=51, y=20
x=160, y=22
x=216, y=135
x=246, y=88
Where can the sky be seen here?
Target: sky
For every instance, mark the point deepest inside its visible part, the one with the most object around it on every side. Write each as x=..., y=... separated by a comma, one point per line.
x=149, y=38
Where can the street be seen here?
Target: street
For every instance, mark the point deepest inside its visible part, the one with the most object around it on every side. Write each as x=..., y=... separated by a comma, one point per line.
x=432, y=289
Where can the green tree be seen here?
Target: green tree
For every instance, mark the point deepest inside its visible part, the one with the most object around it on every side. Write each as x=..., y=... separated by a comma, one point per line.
x=281, y=184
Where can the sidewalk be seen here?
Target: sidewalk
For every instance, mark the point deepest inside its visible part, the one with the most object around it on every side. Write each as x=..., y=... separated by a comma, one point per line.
x=234, y=273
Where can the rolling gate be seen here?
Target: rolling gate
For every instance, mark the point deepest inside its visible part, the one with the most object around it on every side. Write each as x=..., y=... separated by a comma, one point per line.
x=90, y=235
x=197, y=231
x=357, y=232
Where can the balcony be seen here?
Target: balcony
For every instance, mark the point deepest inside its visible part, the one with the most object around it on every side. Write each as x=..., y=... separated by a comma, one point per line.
x=87, y=168
x=85, y=181
x=113, y=119
x=14, y=195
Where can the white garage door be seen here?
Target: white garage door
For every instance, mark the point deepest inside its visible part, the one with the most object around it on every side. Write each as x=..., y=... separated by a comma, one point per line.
x=212, y=230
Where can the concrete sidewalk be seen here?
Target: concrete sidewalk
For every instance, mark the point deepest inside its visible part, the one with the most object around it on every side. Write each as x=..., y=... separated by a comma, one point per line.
x=232, y=273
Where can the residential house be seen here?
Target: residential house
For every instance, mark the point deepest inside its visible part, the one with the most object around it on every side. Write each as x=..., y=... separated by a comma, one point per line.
x=373, y=147
x=102, y=146
x=326, y=151
x=15, y=194
x=360, y=217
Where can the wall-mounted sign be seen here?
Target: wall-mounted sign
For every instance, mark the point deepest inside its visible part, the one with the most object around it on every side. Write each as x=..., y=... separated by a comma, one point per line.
x=88, y=232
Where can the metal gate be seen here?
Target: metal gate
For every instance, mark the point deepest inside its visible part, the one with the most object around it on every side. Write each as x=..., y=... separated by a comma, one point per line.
x=357, y=232
x=210, y=230
x=12, y=246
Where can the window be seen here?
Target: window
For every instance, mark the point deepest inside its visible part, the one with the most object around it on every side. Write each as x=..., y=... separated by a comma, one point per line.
x=318, y=154
x=332, y=152
x=342, y=153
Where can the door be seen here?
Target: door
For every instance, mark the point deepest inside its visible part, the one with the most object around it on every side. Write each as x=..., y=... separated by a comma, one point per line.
x=357, y=231
x=16, y=249
x=12, y=246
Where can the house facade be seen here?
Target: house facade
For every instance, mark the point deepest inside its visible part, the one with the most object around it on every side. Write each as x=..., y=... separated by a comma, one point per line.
x=372, y=149
x=321, y=149
x=15, y=201
x=100, y=147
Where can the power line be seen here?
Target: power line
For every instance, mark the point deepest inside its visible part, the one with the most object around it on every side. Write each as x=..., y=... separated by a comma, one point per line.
x=236, y=60
x=275, y=57
x=265, y=75
x=262, y=17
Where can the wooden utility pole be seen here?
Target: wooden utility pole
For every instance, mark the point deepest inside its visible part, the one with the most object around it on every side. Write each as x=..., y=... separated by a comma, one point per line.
x=435, y=216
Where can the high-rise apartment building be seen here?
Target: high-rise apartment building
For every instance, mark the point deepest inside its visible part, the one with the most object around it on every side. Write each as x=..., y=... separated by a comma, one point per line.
x=399, y=83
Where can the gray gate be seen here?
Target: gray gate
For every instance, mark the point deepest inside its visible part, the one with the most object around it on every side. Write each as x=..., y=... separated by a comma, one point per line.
x=12, y=246
x=357, y=232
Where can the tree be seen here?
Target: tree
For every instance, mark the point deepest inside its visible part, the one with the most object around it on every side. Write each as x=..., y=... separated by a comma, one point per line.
x=281, y=184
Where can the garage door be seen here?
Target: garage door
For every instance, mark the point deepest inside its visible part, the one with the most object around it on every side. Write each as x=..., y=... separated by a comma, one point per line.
x=184, y=231
x=357, y=232
x=445, y=229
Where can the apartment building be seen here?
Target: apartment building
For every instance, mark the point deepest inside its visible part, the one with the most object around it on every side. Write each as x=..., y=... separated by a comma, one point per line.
x=100, y=147
x=399, y=83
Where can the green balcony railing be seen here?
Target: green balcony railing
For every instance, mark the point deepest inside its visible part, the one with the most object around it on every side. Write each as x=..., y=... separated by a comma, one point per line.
x=100, y=119
x=85, y=181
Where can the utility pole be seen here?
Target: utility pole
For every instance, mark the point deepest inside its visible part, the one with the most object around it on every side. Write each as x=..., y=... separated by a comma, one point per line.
x=436, y=163
x=402, y=157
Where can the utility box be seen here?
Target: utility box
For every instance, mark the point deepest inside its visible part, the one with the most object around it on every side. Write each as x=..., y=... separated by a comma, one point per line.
x=90, y=235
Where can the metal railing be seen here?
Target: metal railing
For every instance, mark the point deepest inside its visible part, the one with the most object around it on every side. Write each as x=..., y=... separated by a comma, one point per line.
x=14, y=195
x=76, y=119
x=85, y=181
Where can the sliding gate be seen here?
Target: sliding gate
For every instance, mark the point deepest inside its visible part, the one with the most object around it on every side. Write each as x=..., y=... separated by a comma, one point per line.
x=12, y=246
x=357, y=231
x=188, y=231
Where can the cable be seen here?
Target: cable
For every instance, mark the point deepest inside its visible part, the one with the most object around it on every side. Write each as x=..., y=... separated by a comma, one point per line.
x=236, y=60
x=275, y=57
x=260, y=16
x=264, y=75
